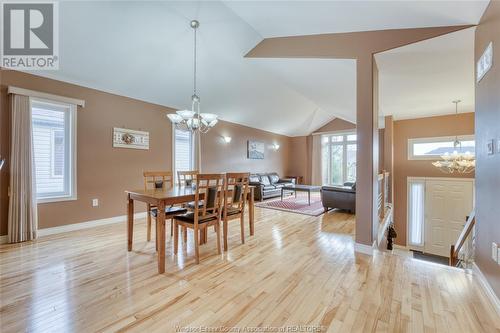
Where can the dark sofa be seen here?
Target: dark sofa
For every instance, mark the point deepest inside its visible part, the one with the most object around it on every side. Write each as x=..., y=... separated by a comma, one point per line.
x=342, y=197
x=268, y=185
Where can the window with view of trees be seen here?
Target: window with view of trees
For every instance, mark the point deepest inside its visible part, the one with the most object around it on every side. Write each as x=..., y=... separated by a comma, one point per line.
x=338, y=158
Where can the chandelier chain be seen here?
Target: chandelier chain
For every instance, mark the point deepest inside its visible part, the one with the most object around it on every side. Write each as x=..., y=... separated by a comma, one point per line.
x=194, y=62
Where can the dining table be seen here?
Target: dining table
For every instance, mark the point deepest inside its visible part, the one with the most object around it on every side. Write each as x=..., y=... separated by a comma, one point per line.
x=164, y=197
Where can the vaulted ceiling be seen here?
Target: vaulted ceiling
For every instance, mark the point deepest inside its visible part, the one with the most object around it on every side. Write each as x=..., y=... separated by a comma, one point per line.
x=423, y=79
x=143, y=49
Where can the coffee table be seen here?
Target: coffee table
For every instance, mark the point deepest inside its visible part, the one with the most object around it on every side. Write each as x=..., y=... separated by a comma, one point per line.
x=300, y=188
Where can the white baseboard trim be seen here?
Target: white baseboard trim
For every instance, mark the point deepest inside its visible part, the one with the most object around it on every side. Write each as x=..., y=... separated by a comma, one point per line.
x=401, y=247
x=363, y=248
x=86, y=225
x=486, y=287
x=3, y=239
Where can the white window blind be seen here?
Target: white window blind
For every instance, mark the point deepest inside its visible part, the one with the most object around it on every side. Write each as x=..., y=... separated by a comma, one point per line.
x=53, y=126
x=416, y=212
x=183, y=150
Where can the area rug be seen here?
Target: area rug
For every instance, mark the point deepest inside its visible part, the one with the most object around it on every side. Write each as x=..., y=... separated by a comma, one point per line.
x=297, y=205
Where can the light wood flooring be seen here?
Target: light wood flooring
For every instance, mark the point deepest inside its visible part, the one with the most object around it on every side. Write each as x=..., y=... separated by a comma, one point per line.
x=296, y=270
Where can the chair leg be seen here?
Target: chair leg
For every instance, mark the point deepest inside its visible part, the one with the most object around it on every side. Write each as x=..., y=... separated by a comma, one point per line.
x=149, y=222
x=242, y=227
x=217, y=230
x=184, y=234
x=171, y=227
x=156, y=236
x=196, y=246
x=224, y=233
x=202, y=236
x=176, y=236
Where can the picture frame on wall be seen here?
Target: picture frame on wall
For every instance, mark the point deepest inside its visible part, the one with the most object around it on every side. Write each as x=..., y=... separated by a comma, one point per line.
x=255, y=150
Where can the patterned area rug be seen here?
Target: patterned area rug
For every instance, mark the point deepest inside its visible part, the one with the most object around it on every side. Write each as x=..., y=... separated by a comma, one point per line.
x=297, y=205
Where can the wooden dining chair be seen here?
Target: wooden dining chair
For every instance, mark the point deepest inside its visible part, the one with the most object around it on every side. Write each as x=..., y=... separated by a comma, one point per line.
x=210, y=187
x=235, y=194
x=160, y=180
x=186, y=177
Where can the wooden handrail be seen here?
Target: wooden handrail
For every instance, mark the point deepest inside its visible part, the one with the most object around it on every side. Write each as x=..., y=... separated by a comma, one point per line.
x=455, y=249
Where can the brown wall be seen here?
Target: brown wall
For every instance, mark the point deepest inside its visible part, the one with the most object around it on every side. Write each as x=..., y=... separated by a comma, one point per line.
x=299, y=159
x=104, y=172
x=336, y=124
x=449, y=125
x=487, y=128
x=218, y=156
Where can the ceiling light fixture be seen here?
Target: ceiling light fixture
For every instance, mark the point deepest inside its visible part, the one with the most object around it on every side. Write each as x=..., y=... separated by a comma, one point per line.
x=193, y=120
x=227, y=139
x=457, y=162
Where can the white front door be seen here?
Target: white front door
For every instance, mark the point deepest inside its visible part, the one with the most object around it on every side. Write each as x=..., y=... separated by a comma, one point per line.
x=447, y=204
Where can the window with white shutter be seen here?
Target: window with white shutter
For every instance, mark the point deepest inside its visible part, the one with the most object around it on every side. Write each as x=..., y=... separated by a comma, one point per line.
x=53, y=126
x=183, y=150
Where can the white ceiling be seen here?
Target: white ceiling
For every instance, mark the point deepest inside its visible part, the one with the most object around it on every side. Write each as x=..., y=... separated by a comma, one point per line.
x=287, y=18
x=144, y=50
x=423, y=79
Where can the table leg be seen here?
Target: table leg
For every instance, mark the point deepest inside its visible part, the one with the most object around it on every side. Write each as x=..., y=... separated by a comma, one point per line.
x=282, y=194
x=251, y=212
x=295, y=192
x=309, y=197
x=160, y=223
x=130, y=221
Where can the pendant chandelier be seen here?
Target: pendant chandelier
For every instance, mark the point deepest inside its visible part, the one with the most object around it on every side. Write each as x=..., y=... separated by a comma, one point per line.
x=456, y=162
x=193, y=120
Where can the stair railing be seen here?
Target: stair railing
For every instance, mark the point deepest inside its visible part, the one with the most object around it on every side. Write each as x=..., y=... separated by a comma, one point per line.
x=457, y=255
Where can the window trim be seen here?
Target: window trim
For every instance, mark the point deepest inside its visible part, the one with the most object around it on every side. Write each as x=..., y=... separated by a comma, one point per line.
x=413, y=141
x=72, y=168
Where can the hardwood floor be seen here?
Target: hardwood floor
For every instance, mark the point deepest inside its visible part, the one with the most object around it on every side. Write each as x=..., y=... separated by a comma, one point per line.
x=296, y=270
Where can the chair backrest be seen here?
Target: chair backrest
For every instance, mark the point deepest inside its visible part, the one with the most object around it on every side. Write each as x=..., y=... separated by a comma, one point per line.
x=235, y=190
x=186, y=177
x=212, y=186
x=158, y=179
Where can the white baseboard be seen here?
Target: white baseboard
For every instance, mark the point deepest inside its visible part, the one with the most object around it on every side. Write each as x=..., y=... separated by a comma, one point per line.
x=490, y=293
x=3, y=239
x=363, y=248
x=86, y=225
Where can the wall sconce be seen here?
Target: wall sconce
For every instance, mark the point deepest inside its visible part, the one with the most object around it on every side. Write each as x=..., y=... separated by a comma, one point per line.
x=227, y=139
x=276, y=146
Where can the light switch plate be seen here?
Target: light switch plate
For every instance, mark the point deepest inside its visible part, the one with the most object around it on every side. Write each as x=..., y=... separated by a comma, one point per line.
x=494, y=251
x=498, y=146
x=490, y=147
x=95, y=202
